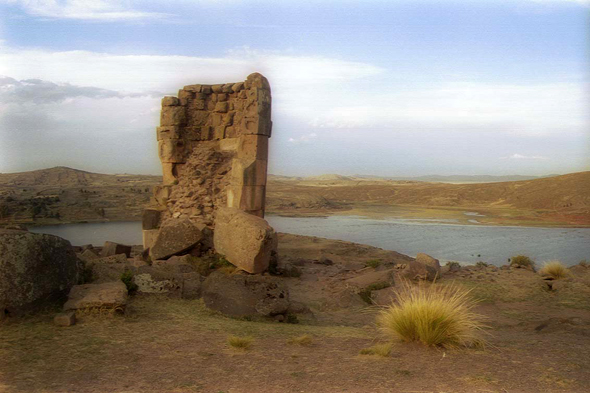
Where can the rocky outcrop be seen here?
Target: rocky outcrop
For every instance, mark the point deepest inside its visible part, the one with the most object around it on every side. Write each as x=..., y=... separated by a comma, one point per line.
x=424, y=267
x=105, y=296
x=175, y=237
x=112, y=248
x=245, y=240
x=34, y=268
x=242, y=295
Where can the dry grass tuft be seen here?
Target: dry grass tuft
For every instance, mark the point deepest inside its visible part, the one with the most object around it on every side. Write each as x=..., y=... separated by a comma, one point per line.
x=303, y=340
x=554, y=270
x=522, y=261
x=377, y=349
x=242, y=343
x=434, y=315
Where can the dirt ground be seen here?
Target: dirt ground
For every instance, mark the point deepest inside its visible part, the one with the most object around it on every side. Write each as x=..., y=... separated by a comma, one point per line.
x=538, y=340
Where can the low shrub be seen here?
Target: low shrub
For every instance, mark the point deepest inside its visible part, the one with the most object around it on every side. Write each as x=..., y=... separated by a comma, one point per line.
x=127, y=278
x=374, y=263
x=377, y=349
x=242, y=343
x=554, y=270
x=303, y=340
x=452, y=265
x=434, y=315
x=522, y=261
x=482, y=264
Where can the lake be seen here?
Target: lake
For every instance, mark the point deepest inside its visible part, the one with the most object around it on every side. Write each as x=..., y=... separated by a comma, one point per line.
x=463, y=243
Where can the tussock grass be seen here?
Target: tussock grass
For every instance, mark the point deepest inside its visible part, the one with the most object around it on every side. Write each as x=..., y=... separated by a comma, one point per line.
x=377, y=349
x=303, y=340
x=374, y=263
x=435, y=315
x=242, y=343
x=554, y=269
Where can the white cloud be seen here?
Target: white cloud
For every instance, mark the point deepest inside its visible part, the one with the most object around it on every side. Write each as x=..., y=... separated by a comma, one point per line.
x=303, y=138
x=517, y=156
x=93, y=10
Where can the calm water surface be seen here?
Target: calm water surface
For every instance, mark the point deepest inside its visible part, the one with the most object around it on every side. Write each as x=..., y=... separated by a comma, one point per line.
x=464, y=243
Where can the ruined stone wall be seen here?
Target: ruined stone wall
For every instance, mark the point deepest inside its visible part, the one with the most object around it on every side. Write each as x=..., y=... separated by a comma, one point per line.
x=213, y=145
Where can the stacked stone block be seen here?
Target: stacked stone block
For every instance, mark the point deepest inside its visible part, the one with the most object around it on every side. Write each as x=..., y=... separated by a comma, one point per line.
x=213, y=146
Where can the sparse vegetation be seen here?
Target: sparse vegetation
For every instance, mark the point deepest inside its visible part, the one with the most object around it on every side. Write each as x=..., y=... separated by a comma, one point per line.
x=220, y=261
x=554, y=270
x=127, y=278
x=452, y=265
x=522, y=261
x=434, y=315
x=482, y=264
x=243, y=343
x=374, y=263
x=303, y=340
x=377, y=349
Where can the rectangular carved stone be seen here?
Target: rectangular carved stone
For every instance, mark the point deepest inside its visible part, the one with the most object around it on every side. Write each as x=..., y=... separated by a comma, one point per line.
x=169, y=132
x=255, y=126
x=173, y=115
x=172, y=150
x=248, y=172
x=253, y=147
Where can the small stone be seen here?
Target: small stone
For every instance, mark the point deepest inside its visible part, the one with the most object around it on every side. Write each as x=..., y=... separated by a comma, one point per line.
x=65, y=319
x=170, y=101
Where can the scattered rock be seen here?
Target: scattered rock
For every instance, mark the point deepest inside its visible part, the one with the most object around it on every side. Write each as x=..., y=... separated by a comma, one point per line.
x=109, y=295
x=324, y=261
x=242, y=295
x=176, y=236
x=118, y=258
x=424, y=267
x=112, y=248
x=383, y=297
x=88, y=255
x=34, y=268
x=65, y=319
x=244, y=239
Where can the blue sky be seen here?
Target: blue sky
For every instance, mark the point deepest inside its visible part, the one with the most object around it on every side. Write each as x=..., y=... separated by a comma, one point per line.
x=374, y=87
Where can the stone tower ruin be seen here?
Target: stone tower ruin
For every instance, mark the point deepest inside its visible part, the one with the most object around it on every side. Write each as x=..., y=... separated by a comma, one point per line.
x=213, y=146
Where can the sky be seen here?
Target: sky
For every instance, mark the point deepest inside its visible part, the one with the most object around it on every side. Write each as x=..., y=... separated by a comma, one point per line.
x=373, y=87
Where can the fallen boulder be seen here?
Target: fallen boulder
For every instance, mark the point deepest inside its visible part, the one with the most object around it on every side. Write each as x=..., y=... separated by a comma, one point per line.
x=175, y=236
x=34, y=268
x=112, y=248
x=108, y=295
x=245, y=240
x=424, y=267
x=243, y=295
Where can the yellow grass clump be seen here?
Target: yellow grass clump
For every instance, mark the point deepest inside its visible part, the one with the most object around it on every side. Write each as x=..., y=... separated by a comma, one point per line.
x=554, y=269
x=435, y=315
x=303, y=340
x=240, y=342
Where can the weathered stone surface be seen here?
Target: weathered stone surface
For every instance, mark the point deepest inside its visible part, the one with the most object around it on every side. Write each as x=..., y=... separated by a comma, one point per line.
x=118, y=258
x=150, y=219
x=241, y=295
x=245, y=240
x=34, y=268
x=371, y=278
x=65, y=319
x=149, y=237
x=200, y=134
x=112, y=248
x=109, y=295
x=176, y=236
x=88, y=255
x=423, y=268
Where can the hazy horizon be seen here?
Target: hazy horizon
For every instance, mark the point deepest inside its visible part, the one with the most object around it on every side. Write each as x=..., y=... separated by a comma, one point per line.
x=383, y=88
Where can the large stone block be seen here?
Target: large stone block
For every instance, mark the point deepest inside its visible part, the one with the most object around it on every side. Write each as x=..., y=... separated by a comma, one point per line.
x=173, y=115
x=256, y=80
x=256, y=125
x=168, y=132
x=247, y=198
x=172, y=150
x=108, y=295
x=245, y=240
x=170, y=101
x=168, y=175
x=34, y=268
x=241, y=295
x=248, y=172
x=253, y=147
x=149, y=237
x=150, y=218
x=112, y=248
x=175, y=237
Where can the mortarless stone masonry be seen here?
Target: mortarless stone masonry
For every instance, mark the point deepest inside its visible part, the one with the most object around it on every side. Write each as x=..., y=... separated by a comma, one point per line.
x=213, y=145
